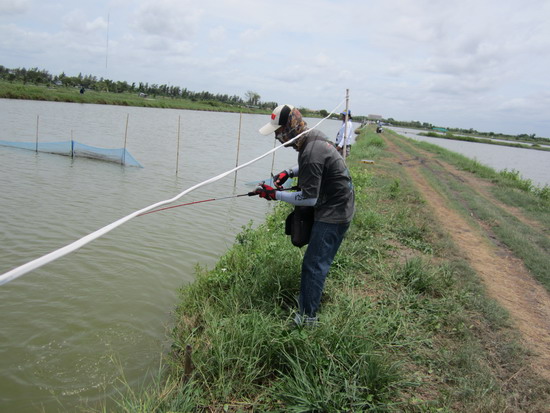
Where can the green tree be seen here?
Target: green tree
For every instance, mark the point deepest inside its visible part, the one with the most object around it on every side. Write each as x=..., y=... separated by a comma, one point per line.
x=253, y=98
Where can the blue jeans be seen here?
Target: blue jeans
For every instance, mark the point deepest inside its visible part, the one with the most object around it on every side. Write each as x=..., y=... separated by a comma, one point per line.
x=323, y=244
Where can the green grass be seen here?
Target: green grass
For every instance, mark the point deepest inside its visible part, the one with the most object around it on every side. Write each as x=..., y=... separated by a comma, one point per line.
x=404, y=325
x=531, y=245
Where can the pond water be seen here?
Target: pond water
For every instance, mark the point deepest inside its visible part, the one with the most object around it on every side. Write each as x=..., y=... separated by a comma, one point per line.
x=530, y=163
x=73, y=328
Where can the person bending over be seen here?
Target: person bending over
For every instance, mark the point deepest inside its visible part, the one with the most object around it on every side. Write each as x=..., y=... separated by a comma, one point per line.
x=325, y=184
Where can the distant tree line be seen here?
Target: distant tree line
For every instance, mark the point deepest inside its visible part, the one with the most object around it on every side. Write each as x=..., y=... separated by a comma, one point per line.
x=36, y=76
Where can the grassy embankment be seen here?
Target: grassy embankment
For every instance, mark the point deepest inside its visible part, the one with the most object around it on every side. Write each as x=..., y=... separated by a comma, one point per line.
x=451, y=136
x=405, y=323
x=530, y=245
x=69, y=94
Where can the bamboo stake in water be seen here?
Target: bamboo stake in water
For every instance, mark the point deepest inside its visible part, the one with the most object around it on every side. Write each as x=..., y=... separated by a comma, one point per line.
x=125, y=140
x=37, y=120
x=178, y=145
x=238, y=147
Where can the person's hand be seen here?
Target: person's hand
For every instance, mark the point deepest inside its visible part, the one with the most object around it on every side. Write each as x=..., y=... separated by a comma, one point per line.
x=280, y=179
x=266, y=192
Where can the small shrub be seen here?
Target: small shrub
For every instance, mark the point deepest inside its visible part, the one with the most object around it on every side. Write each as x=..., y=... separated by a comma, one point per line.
x=543, y=193
x=413, y=236
x=422, y=278
x=394, y=189
x=515, y=178
x=376, y=141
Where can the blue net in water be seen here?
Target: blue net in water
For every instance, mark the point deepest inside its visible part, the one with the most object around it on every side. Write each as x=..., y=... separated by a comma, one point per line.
x=76, y=149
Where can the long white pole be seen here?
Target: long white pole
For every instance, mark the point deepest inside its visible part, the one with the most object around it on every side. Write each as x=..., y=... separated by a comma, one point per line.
x=345, y=148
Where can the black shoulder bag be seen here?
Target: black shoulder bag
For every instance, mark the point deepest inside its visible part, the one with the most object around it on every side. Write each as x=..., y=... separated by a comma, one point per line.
x=298, y=225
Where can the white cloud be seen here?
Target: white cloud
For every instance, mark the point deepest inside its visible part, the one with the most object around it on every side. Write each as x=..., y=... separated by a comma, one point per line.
x=175, y=20
x=529, y=106
x=14, y=38
x=322, y=60
x=76, y=21
x=218, y=34
x=423, y=59
x=13, y=7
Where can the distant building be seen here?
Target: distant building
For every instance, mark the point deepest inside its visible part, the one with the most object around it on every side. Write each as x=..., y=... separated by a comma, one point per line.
x=374, y=117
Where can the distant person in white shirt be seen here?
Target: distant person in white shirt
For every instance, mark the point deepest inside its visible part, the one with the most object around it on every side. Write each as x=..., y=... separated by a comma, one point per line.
x=347, y=130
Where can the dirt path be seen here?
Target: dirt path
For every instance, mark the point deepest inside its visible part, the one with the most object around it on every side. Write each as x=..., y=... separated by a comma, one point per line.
x=505, y=276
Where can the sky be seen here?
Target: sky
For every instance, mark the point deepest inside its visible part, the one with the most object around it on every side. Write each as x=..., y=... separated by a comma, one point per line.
x=481, y=64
